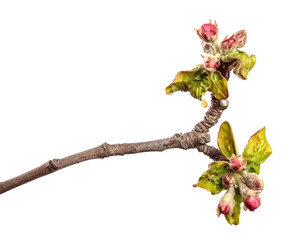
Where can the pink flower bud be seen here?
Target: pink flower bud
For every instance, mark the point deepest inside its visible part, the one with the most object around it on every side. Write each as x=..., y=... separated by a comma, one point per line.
x=253, y=181
x=237, y=163
x=226, y=203
x=252, y=202
x=237, y=40
x=224, y=207
x=228, y=180
x=208, y=32
x=211, y=63
x=240, y=38
x=228, y=44
x=250, y=197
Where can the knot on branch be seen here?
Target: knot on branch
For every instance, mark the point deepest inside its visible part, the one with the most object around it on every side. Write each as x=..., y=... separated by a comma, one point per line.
x=194, y=139
x=54, y=165
x=212, y=115
x=104, y=150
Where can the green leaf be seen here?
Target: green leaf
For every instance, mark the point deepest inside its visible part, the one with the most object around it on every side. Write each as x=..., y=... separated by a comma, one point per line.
x=226, y=141
x=198, y=88
x=243, y=64
x=183, y=78
x=211, y=180
x=218, y=85
x=257, y=151
x=253, y=168
x=196, y=81
x=234, y=219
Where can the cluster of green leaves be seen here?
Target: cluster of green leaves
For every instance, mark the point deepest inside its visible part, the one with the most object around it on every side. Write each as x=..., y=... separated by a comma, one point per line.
x=211, y=180
x=256, y=152
x=199, y=80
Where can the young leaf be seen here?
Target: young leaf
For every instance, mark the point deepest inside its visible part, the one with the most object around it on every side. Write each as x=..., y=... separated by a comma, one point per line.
x=196, y=81
x=198, y=88
x=257, y=151
x=243, y=64
x=183, y=78
x=234, y=219
x=218, y=85
x=211, y=180
x=226, y=141
x=253, y=168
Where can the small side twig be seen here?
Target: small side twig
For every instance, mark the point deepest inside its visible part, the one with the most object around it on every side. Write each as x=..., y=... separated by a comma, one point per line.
x=212, y=153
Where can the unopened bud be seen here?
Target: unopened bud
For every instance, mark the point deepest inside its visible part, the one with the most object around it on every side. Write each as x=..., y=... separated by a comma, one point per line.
x=250, y=197
x=237, y=163
x=208, y=32
x=228, y=44
x=253, y=181
x=228, y=180
x=252, y=201
x=240, y=38
x=237, y=40
x=211, y=63
x=226, y=203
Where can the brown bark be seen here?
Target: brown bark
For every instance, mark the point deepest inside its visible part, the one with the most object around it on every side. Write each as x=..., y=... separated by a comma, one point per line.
x=212, y=153
x=197, y=138
x=212, y=115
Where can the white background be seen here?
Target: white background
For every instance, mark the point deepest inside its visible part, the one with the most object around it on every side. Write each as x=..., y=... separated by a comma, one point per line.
x=74, y=74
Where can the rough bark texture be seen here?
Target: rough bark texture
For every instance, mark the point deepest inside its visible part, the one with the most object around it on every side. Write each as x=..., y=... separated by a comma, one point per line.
x=197, y=138
x=212, y=115
x=212, y=153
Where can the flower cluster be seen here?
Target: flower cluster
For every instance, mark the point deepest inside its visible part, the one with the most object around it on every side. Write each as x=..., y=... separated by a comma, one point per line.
x=238, y=174
x=220, y=58
x=214, y=48
x=249, y=185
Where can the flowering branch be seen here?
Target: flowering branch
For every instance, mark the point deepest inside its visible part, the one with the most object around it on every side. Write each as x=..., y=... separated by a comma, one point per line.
x=238, y=174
